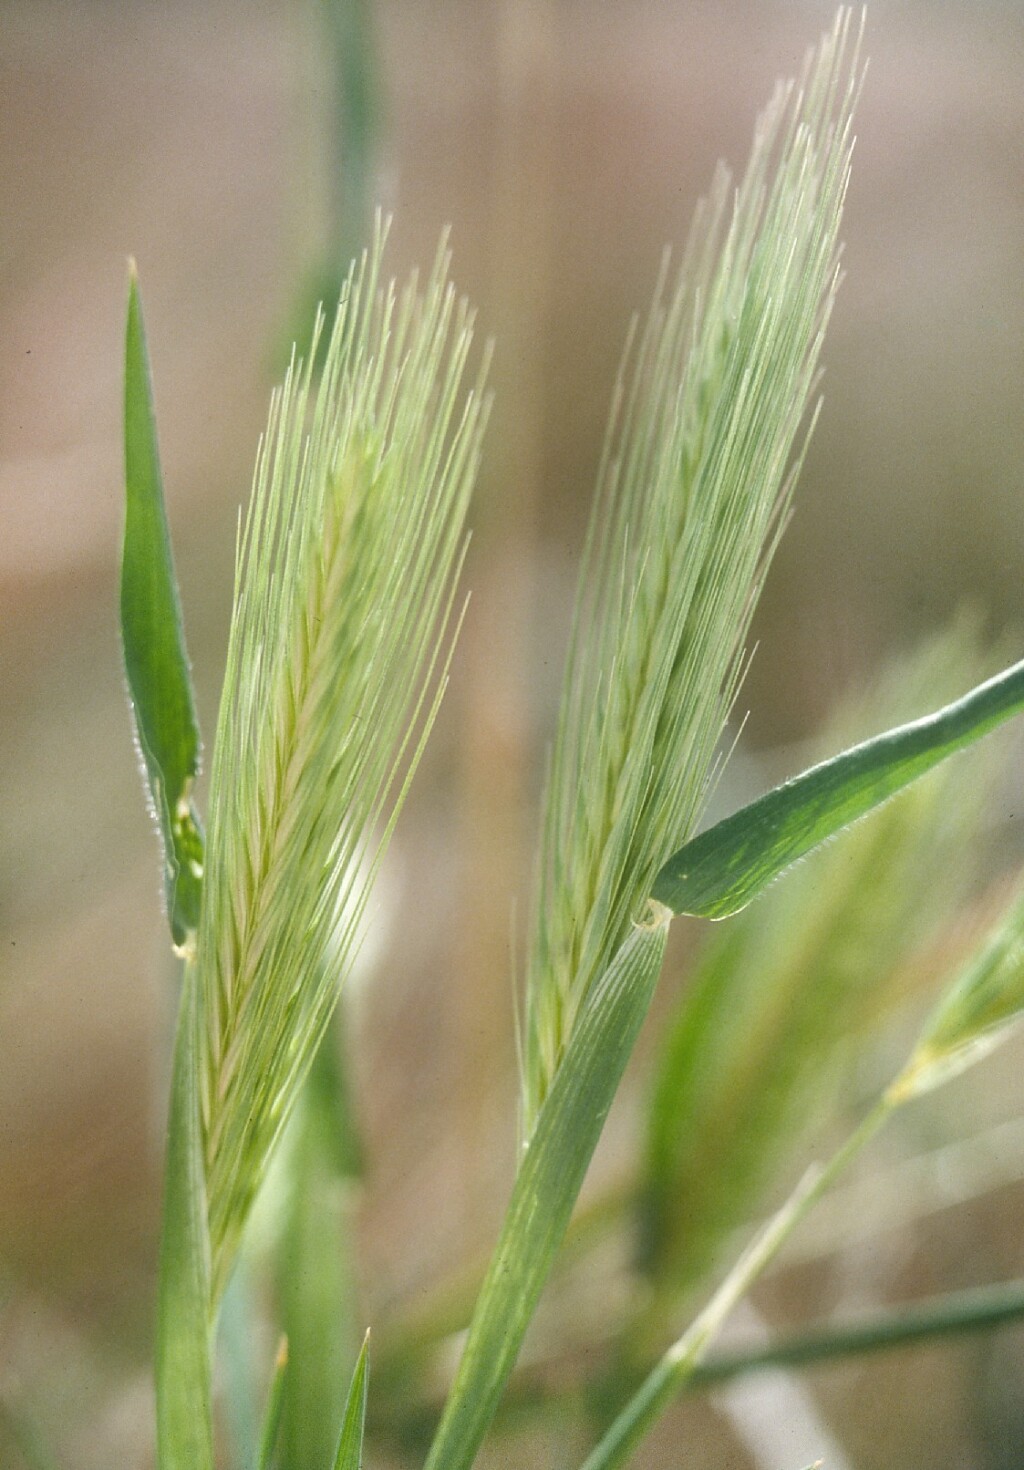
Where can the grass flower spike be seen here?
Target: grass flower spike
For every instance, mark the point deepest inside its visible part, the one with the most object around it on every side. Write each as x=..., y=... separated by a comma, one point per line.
x=345, y=580
x=696, y=480
x=977, y=1012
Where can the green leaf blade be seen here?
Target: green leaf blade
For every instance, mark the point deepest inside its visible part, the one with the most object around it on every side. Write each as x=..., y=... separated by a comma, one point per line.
x=272, y=1415
x=350, y=1443
x=550, y=1176
x=725, y=867
x=156, y=663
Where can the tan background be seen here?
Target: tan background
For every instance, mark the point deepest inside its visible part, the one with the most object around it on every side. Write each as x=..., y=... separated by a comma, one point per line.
x=566, y=143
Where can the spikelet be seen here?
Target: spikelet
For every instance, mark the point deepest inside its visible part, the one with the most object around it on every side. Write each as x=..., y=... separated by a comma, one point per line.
x=694, y=486
x=977, y=1013
x=344, y=583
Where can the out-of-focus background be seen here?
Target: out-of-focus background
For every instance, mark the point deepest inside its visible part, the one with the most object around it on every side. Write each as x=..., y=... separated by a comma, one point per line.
x=565, y=143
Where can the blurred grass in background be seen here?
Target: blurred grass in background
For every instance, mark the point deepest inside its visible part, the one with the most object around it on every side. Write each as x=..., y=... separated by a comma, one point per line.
x=566, y=143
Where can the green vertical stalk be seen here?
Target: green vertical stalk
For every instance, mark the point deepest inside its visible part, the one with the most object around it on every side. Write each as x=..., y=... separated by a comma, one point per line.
x=184, y=1347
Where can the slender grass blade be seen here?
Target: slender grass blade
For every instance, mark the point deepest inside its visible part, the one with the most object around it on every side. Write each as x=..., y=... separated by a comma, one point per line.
x=350, y=1444
x=548, y=1182
x=154, y=642
x=724, y=868
x=675, y=1369
x=275, y=1400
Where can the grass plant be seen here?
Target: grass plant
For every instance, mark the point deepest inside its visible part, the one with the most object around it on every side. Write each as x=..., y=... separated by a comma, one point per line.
x=346, y=577
x=782, y=998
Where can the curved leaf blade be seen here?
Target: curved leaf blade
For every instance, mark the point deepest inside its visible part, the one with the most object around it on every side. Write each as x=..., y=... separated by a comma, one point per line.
x=153, y=640
x=722, y=869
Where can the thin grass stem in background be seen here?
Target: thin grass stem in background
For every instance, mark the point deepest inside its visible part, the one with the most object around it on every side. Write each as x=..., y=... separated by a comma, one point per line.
x=940, y=1317
x=676, y=1368
x=979, y=1009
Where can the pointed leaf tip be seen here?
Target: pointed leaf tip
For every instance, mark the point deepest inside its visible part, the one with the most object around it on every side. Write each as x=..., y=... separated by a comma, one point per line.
x=350, y=1444
x=720, y=871
x=275, y=1403
x=156, y=663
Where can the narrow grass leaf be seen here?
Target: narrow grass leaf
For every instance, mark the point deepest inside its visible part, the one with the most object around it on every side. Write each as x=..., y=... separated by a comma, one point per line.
x=547, y=1184
x=153, y=639
x=349, y=1455
x=184, y=1345
x=723, y=869
x=977, y=1013
x=272, y=1415
x=786, y=996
